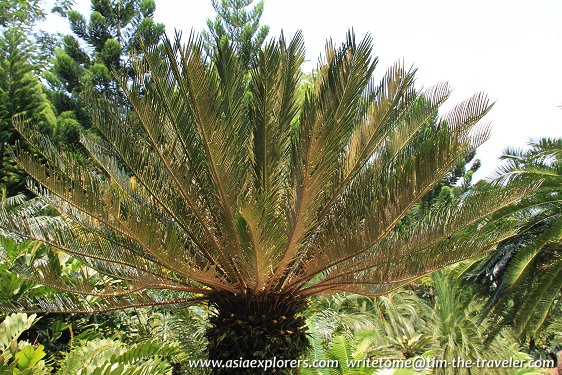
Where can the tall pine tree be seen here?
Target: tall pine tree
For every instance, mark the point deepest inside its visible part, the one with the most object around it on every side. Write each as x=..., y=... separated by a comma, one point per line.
x=240, y=23
x=98, y=46
x=20, y=93
x=23, y=13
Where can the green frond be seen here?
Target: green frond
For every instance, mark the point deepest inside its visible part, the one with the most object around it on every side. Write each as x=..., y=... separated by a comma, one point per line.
x=153, y=173
x=327, y=119
x=12, y=327
x=100, y=201
x=113, y=280
x=67, y=303
x=273, y=109
x=450, y=235
x=202, y=110
x=521, y=263
x=106, y=356
x=537, y=303
x=518, y=276
x=144, y=349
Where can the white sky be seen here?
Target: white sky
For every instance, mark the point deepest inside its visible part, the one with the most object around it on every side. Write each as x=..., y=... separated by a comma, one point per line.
x=510, y=49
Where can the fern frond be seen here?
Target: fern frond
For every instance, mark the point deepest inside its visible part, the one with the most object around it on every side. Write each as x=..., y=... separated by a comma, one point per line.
x=65, y=303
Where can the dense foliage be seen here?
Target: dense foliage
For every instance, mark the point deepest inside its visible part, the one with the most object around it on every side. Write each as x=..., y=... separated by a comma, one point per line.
x=277, y=214
x=239, y=24
x=20, y=93
x=228, y=201
x=524, y=275
x=97, y=48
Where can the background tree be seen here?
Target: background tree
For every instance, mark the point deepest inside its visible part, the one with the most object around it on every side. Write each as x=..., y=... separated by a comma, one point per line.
x=24, y=15
x=23, y=54
x=20, y=93
x=231, y=202
x=239, y=23
x=20, y=12
x=97, y=47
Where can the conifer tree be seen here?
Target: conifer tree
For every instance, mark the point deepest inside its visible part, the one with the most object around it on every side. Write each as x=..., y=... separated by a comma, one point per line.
x=20, y=12
x=20, y=93
x=98, y=47
x=24, y=15
x=240, y=24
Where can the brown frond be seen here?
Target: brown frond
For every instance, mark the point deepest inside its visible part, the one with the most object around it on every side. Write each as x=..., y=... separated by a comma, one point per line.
x=216, y=180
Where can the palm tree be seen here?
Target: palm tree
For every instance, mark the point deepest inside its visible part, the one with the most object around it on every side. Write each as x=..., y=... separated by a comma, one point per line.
x=454, y=321
x=524, y=276
x=207, y=193
x=402, y=327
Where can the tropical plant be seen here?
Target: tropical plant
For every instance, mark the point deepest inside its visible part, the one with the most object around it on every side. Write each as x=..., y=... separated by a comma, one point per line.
x=202, y=195
x=98, y=46
x=401, y=328
x=55, y=332
x=441, y=326
x=20, y=357
x=340, y=315
x=14, y=251
x=107, y=356
x=350, y=355
x=457, y=330
x=341, y=350
x=186, y=327
x=391, y=325
x=20, y=92
x=523, y=278
x=12, y=285
x=95, y=356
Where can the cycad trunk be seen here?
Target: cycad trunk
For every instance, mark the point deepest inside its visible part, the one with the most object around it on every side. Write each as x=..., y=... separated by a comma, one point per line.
x=256, y=327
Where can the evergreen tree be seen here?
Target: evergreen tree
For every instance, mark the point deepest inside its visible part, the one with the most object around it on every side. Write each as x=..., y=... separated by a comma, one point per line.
x=20, y=93
x=97, y=47
x=240, y=25
x=23, y=13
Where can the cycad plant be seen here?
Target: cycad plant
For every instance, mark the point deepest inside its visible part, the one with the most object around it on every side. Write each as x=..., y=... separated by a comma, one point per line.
x=457, y=331
x=253, y=200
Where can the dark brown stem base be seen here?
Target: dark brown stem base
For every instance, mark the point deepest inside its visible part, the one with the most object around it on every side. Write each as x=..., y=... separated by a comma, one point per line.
x=255, y=327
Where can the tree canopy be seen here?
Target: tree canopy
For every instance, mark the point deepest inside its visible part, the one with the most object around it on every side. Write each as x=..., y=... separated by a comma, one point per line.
x=240, y=25
x=20, y=93
x=97, y=48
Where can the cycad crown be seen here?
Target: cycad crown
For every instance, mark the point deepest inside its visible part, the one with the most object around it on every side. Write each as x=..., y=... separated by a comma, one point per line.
x=214, y=182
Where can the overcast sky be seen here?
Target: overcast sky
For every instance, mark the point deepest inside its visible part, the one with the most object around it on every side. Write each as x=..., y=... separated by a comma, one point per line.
x=511, y=50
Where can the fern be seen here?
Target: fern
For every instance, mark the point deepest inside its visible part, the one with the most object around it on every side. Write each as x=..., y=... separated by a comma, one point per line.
x=317, y=353
x=107, y=356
